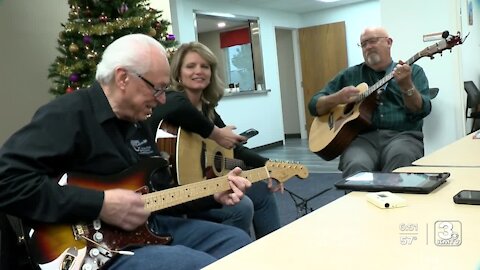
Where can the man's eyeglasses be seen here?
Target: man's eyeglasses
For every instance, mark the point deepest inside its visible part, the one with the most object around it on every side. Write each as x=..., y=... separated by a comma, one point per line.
x=371, y=41
x=156, y=91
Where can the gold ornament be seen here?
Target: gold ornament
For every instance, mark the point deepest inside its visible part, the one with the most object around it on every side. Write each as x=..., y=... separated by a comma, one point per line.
x=107, y=28
x=152, y=32
x=73, y=48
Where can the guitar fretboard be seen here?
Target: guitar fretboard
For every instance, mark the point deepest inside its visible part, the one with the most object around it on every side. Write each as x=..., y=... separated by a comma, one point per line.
x=426, y=52
x=174, y=196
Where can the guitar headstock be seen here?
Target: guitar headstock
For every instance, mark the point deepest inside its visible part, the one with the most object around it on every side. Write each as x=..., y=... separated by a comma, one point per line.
x=282, y=171
x=447, y=43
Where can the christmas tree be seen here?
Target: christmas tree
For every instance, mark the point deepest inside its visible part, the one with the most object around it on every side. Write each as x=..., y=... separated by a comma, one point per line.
x=92, y=25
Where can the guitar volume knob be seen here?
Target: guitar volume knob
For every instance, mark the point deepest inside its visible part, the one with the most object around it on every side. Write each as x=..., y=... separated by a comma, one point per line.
x=87, y=267
x=98, y=237
x=94, y=252
x=97, y=224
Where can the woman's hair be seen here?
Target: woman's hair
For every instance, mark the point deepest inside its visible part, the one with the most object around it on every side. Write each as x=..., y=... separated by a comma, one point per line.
x=214, y=91
x=131, y=52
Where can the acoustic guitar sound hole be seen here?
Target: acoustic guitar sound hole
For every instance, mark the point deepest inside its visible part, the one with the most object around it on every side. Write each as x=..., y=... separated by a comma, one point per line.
x=218, y=162
x=348, y=108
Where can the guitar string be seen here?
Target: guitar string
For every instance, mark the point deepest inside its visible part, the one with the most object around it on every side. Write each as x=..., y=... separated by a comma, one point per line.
x=228, y=161
x=123, y=252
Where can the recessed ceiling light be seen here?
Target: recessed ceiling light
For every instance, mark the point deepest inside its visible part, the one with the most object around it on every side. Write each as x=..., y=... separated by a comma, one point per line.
x=221, y=24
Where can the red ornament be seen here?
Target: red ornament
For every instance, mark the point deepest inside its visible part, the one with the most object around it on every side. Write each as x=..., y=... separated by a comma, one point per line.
x=69, y=90
x=103, y=18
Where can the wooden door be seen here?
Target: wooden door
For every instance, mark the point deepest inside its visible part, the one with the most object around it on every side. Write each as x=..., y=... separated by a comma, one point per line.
x=323, y=53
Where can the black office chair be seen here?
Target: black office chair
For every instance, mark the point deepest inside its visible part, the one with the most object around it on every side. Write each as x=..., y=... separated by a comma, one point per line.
x=433, y=92
x=472, y=110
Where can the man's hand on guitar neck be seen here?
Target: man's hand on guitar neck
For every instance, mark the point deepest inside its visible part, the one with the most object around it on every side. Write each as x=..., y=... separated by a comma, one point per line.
x=124, y=209
x=347, y=95
x=238, y=186
x=412, y=98
x=225, y=136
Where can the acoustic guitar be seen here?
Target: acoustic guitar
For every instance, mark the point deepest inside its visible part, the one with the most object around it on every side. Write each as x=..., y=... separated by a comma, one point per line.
x=331, y=133
x=94, y=245
x=193, y=157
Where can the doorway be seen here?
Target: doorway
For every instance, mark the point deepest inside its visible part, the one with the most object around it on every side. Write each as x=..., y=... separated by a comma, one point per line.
x=288, y=82
x=323, y=52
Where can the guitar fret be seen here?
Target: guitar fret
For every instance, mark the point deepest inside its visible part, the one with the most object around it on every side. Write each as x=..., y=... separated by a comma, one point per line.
x=389, y=76
x=329, y=129
x=177, y=195
x=55, y=244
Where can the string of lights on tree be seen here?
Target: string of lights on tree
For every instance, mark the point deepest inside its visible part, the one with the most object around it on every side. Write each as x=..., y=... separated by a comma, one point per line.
x=92, y=25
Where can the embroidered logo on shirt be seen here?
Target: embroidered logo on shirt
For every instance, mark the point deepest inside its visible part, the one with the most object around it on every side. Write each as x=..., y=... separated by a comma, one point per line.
x=141, y=147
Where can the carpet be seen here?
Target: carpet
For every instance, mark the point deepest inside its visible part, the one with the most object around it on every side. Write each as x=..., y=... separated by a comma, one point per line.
x=306, y=195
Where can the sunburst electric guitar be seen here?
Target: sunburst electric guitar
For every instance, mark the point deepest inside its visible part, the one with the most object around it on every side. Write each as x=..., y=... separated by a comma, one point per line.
x=94, y=245
x=331, y=133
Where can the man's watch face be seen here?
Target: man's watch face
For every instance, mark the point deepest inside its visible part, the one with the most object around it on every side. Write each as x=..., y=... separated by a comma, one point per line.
x=410, y=92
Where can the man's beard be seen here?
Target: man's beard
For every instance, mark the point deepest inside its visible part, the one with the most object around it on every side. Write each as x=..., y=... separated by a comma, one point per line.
x=373, y=59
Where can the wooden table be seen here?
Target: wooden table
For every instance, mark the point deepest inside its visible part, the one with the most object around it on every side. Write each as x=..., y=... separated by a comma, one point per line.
x=462, y=153
x=351, y=233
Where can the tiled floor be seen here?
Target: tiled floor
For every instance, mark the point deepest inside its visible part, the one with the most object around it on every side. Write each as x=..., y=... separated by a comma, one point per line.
x=296, y=150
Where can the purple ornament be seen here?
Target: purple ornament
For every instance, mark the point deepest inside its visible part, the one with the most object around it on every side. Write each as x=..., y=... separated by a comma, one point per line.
x=74, y=77
x=170, y=37
x=122, y=9
x=87, y=40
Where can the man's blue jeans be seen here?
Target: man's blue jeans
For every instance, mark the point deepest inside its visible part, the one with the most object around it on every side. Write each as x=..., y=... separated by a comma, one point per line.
x=259, y=205
x=196, y=243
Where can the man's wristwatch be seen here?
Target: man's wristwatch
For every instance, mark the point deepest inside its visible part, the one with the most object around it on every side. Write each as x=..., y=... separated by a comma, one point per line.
x=409, y=92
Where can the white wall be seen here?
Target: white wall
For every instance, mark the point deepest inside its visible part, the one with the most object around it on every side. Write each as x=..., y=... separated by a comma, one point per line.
x=288, y=84
x=164, y=6
x=471, y=48
x=406, y=26
x=265, y=112
x=445, y=124
x=356, y=16
x=29, y=39
x=30, y=30
x=262, y=112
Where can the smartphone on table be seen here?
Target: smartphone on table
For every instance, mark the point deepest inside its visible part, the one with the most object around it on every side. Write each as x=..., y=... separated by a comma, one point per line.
x=467, y=197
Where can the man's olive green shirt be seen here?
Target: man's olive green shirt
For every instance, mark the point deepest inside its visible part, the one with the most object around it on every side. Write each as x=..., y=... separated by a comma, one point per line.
x=391, y=112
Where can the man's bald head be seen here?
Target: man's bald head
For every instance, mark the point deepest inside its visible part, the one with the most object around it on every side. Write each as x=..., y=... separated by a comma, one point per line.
x=376, y=45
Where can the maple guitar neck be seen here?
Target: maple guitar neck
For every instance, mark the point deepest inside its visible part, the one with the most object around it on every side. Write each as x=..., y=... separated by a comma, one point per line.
x=386, y=79
x=174, y=196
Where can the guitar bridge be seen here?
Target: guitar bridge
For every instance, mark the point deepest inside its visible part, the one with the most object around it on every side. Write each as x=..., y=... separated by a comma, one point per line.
x=79, y=231
x=68, y=262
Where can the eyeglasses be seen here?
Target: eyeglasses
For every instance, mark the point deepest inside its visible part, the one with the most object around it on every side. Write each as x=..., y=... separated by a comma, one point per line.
x=156, y=91
x=371, y=41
